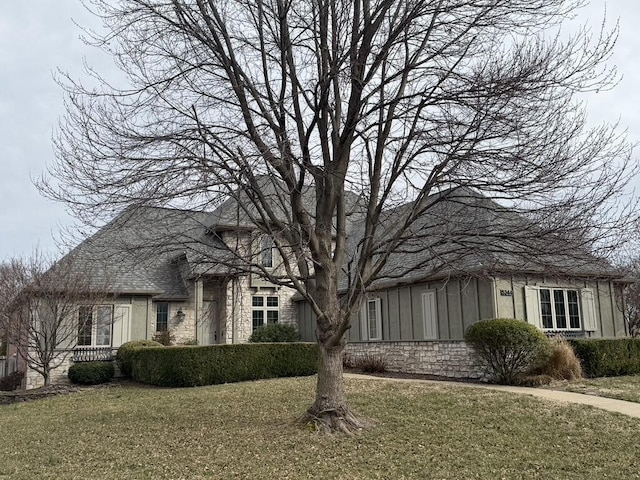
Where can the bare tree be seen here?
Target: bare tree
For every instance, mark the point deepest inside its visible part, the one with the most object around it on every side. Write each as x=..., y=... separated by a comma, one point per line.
x=628, y=297
x=39, y=310
x=290, y=106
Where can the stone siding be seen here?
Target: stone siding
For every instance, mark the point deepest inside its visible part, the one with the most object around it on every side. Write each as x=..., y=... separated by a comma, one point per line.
x=58, y=375
x=451, y=359
x=288, y=309
x=238, y=326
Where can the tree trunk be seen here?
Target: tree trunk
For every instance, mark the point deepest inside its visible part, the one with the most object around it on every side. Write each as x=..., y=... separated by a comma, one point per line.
x=330, y=412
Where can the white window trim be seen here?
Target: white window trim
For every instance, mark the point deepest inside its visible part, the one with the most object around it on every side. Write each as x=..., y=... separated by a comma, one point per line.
x=94, y=326
x=565, y=296
x=586, y=308
x=365, y=321
x=264, y=308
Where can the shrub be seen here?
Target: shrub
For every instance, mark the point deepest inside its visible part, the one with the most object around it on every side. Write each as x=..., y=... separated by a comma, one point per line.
x=187, y=366
x=275, y=332
x=563, y=364
x=508, y=347
x=349, y=361
x=371, y=364
x=608, y=357
x=123, y=357
x=91, y=373
x=165, y=338
x=11, y=381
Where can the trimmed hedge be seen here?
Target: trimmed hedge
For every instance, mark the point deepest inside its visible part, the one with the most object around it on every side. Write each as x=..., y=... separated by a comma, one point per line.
x=123, y=357
x=508, y=347
x=189, y=366
x=91, y=373
x=603, y=357
x=275, y=332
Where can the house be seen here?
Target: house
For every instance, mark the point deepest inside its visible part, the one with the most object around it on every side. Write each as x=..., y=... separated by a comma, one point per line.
x=180, y=271
x=472, y=260
x=155, y=266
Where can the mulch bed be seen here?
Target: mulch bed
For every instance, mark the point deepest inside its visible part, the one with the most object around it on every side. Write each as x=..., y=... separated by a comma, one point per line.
x=413, y=376
x=19, y=396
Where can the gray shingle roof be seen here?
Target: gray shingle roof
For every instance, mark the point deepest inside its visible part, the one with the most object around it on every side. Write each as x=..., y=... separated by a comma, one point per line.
x=239, y=211
x=149, y=250
x=465, y=233
x=152, y=251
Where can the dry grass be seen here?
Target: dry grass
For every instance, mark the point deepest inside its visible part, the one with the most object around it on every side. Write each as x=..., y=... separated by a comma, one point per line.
x=563, y=363
x=622, y=388
x=245, y=431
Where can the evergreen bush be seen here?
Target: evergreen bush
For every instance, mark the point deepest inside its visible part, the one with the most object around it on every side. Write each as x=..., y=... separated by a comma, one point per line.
x=608, y=357
x=187, y=366
x=123, y=357
x=11, y=381
x=508, y=347
x=91, y=373
x=275, y=332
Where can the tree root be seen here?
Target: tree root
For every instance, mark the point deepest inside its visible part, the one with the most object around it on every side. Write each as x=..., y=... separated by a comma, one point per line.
x=330, y=421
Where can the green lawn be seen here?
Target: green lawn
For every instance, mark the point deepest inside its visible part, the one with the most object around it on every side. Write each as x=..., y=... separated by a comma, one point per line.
x=622, y=388
x=245, y=431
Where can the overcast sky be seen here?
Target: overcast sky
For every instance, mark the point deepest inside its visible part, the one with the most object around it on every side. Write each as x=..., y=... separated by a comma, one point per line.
x=39, y=36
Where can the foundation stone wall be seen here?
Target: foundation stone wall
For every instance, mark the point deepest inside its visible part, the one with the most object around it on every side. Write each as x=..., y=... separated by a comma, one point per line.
x=450, y=359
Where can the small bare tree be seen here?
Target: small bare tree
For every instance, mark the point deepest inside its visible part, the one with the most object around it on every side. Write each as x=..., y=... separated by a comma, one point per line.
x=290, y=106
x=39, y=303
x=628, y=297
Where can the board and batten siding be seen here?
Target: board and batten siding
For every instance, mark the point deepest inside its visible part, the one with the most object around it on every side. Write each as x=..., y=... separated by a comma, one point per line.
x=609, y=320
x=457, y=303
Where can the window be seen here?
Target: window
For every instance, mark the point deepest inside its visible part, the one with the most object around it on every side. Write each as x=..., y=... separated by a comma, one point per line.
x=94, y=325
x=162, y=316
x=85, y=325
x=371, y=320
x=264, y=309
x=561, y=308
x=267, y=247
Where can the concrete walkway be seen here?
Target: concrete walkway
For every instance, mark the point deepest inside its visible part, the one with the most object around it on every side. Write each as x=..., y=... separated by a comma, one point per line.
x=631, y=409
